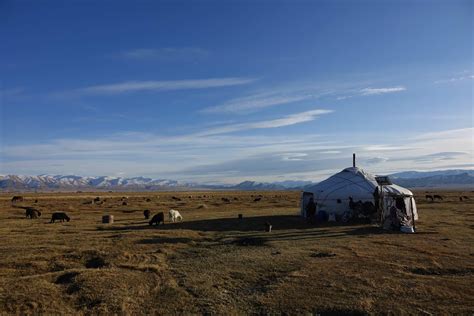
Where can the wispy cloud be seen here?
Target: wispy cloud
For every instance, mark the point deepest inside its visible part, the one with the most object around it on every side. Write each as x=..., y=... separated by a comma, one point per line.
x=372, y=91
x=135, y=86
x=166, y=54
x=291, y=119
x=233, y=158
x=375, y=91
x=254, y=103
x=455, y=79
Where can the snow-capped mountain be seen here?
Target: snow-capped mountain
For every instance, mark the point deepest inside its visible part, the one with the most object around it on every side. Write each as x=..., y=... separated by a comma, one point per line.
x=409, y=179
x=72, y=182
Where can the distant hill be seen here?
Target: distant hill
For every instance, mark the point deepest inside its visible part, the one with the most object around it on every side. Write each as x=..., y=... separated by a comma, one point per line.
x=410, y=179
x=435, y=179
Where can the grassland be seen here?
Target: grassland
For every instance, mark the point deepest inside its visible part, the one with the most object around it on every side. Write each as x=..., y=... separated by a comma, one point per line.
x=214, y=263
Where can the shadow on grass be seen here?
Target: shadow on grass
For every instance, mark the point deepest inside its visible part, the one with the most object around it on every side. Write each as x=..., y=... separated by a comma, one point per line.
x=164, y=240
x=281, y=225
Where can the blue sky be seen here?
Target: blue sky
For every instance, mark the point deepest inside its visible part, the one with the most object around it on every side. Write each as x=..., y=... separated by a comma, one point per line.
x=233, y=90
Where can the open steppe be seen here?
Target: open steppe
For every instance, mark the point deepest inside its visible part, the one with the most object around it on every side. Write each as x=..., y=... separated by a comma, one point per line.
x=214, y=263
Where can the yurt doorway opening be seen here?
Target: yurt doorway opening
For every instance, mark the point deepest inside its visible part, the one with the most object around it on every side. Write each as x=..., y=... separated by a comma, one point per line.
x=305, y=198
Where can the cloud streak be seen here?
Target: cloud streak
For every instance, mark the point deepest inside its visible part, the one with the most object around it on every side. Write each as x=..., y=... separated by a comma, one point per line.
x=376, y=91
x=288, y=120
x=156, y=86
x=254, y=103
x=166, y=54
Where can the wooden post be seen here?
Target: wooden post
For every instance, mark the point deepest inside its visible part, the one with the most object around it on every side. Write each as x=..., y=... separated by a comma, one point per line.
x=353, y=160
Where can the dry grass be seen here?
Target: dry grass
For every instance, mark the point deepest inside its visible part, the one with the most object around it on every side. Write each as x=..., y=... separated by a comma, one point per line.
x=213, y=262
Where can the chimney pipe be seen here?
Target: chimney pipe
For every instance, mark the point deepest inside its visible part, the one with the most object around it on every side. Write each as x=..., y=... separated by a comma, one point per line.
x=353, y=160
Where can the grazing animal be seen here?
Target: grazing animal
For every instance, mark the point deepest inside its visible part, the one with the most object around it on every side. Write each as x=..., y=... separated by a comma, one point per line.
x=236, y=199
x=32, y=213
x=97, y=199
x=429, y=197
x=465, y=197
x=36, y=201
x=257, y=199
x=146, y=213
x=17, y=198
x=175, y=216
x=124, y=203
x=157, y=219
x=437, y=197
x=460, y=198
x=176, y=198
x=148, y=200
x=225, y=200
x=59, y=216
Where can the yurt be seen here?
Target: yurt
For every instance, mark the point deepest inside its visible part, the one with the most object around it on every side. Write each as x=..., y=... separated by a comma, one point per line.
x=353, y=188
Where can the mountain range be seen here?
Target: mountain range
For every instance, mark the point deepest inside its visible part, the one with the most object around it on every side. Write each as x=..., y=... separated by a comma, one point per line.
x=410, y=179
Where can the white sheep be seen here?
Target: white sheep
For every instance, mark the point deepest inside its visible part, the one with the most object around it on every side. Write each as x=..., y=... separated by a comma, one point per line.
x=175, y=215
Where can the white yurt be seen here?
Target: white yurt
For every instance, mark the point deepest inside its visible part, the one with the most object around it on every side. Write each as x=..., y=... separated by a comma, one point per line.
x=333, y=194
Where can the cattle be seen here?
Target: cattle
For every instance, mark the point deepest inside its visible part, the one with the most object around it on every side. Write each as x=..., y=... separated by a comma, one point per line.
x=148, y=200
x=59, y=216
x=157, y=219
x=32, y=213
x=175, y=216
x=429, y=197
x=124, y=203
x=176, y=198
x=460, y=198
x=146, y=213
x=225, y=200
x=97, y=199
x=465, y=197
x=437, y=197
x=257, y=199
x=17, y=198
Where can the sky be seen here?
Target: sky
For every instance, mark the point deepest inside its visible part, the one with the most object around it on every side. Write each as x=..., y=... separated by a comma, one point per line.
x=227, y=91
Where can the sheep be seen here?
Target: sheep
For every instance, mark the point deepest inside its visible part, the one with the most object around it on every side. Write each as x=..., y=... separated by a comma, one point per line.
x=17, y=198
x=146, y=213
x=157, y=219
x=175, y=216
x=32, y=213
x=60, y=216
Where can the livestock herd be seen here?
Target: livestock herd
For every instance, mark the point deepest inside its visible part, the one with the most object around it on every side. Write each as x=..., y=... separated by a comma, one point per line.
x=33, y=213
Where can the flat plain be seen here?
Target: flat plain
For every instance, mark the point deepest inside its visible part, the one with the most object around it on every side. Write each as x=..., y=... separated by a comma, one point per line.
x=215, y=263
